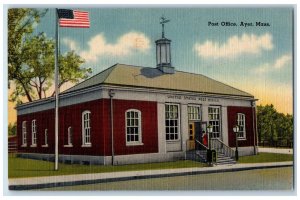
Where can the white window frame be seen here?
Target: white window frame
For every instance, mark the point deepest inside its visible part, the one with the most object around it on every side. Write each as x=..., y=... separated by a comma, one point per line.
x=70, y=137
x=191, y=112
x=33, y=133
x=45, y=138
x=215, y=134
x=241, y=122
x=24, y=134
x=172, y=126
x=86, y=129
x=139, y=126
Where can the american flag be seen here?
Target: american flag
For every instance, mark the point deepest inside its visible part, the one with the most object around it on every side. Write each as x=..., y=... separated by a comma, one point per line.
x=73, y=18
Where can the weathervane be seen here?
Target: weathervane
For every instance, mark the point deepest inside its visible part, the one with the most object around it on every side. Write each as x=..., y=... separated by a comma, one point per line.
x=163, y=21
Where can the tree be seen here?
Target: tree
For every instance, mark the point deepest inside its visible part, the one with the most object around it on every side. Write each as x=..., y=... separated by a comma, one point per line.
x=70, y=70
x=37, y=72
x=38, y=61
x=273, y=126
x=266, y=122
x=12, y=129
x=21, y=22
x=33, y=74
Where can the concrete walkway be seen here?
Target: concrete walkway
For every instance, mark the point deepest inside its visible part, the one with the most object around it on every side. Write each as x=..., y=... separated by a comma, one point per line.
x=275, y=150
x=81, y=179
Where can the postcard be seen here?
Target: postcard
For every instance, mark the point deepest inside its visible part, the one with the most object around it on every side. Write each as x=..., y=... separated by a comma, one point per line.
x=138, y=98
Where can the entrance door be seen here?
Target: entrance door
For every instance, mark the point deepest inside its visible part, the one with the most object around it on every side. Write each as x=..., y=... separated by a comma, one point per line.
x=194, y=133
x=191, y=142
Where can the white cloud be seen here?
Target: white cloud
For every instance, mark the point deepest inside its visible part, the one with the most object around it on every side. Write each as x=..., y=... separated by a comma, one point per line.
x=70, y=43
x=98, y=46
x=235, y=46
x=278, y=64
x=282, y=61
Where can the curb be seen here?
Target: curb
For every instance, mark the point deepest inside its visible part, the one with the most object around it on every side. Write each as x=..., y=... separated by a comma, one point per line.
x=136, y=177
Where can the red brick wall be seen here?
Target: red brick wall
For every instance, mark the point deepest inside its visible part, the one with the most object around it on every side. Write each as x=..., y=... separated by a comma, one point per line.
x=68, y=116
x=100, y=128
x=232, y=121
x=149, y=127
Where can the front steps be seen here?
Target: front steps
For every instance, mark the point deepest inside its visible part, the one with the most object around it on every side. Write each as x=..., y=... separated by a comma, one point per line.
x=224, y=160
x=200, y=156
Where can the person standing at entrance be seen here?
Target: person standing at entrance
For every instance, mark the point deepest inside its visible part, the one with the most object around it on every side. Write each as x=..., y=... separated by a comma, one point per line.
x=204, y=138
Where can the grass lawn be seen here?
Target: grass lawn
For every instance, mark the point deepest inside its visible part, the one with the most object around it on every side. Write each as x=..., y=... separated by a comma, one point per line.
x=20, y=167
x=266, y=157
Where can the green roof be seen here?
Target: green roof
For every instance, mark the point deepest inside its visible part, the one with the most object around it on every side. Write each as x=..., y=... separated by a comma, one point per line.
x=134, y=76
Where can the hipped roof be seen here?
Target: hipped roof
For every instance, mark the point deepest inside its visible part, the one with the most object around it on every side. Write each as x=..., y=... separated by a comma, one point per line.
x=147, y=77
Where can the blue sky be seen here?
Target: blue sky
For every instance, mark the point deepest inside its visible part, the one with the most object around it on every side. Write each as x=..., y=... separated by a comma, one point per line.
x=256, y=59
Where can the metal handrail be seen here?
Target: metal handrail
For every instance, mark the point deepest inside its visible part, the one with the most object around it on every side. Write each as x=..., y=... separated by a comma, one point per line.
x=201, y=144
x=221, y=147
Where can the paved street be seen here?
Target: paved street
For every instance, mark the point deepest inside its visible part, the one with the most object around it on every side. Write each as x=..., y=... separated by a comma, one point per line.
x=259, y=179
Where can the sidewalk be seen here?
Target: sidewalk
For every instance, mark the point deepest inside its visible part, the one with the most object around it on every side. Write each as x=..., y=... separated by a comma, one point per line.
x=275, y=150
x=81, y=179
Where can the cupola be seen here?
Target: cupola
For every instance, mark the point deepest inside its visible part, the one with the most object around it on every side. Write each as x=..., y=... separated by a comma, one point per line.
x=163, y=51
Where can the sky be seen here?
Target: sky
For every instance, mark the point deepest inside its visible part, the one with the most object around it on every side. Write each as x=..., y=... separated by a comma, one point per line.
x=255, y=59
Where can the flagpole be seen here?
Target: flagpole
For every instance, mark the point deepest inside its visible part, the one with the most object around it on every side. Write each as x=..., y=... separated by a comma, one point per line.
x=56, y=87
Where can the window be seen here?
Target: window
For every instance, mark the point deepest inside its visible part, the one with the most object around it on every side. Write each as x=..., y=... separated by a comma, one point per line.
x=194, y=112
x=33, y=133
x=45, y=138
x=70, y=135
x=86, y=128
x=241, y=123
x=133, y=127
x=214, y=120
x=24, y=133
x=172, y=122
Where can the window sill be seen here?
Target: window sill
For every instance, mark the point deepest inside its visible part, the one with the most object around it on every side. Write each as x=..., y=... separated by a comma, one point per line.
x=242, y=139
x=135, y=144
x=86, y=145
x=33, y=145
x=68, y=145
x=24, y=145
x=172, y=141
x=45, y=145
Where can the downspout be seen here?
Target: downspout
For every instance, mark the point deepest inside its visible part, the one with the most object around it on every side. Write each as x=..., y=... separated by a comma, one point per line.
x=254, y=126
x=111, y=94
x=104, y=134
x=256, y=130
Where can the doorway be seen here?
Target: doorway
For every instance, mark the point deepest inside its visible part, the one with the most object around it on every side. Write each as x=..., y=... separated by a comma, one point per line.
x=197, y=132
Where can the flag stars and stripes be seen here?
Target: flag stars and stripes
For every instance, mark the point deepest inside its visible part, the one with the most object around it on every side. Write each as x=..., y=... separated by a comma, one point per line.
x=73, y=18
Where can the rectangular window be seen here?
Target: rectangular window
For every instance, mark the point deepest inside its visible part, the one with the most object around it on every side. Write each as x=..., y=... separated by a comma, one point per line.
x=24, y=133
x=214, y=120
x=33, y=133
x=194, y=112
x=241, y=123
x=133, y=126
x=70, y=136
x=172, y=122
x=46, y=138
x=86, y=128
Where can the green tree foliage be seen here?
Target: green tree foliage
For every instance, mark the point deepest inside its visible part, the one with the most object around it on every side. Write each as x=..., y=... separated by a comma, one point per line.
x=274, y=127
x=12, y=129
x=21, y=22
x=33, y=73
